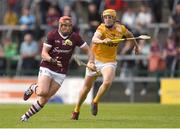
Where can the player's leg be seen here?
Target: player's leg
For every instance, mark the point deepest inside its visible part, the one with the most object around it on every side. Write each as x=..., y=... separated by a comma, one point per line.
x=34, y=87
x=54, y=86
x=53, y=89
x=88, y=82
x=42, y=93
x=31, y=89
x=108, y=74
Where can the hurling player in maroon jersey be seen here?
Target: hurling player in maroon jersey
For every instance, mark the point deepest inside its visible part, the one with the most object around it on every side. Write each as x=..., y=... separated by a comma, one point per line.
x=56, y=53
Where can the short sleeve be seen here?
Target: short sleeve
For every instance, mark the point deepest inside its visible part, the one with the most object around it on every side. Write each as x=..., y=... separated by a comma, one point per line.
x=100, y=28
x=79, y=40
x=49, y=39
x=124, y=29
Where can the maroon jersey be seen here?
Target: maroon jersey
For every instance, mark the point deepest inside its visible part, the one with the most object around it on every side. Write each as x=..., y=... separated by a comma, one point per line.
x=62, y=49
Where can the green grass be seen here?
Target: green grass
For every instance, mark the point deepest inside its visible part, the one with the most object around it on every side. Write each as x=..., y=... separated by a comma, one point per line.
x=110, y=115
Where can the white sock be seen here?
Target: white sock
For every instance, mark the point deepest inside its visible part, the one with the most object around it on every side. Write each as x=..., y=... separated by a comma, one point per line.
x=33, y=109
x=33, y=87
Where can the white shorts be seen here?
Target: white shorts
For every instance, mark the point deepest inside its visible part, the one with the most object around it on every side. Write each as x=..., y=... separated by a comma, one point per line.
x=100, y=66
x=57, y=77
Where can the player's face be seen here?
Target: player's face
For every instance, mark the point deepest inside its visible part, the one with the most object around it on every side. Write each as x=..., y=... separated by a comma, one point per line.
x=66, y=27
x=108, y=20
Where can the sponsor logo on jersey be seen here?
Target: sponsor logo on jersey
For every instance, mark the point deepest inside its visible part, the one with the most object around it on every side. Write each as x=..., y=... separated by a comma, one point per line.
x=67, y=42
x=58, y=50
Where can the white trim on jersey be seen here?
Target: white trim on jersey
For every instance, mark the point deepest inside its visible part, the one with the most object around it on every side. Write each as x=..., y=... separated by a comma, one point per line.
x=64, y=37
x=48, y=45
x=84, y=44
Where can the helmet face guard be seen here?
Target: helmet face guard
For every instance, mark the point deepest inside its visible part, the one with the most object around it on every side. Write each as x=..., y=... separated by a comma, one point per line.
x=109, y=13
x=65, y=25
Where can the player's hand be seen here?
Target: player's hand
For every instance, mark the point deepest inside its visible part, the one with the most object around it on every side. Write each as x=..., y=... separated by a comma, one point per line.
x=55, y=62
x=91, y=66
x=107, y=40
x=59, y=63
x=137, y=50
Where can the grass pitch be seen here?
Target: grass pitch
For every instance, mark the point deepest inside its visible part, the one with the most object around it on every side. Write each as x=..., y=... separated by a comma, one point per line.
x=110, y=115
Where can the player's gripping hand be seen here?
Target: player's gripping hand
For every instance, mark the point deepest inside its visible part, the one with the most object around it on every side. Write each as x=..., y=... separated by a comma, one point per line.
x=55, y=62
x=91, y=66
x=137, y=50
x=107, y=40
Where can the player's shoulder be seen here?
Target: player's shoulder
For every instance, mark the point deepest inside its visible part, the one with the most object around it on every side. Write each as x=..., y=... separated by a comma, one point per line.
x=101, y=27
x=118, y=24
x=52, y=33
x=75, y=35
x=120, y=27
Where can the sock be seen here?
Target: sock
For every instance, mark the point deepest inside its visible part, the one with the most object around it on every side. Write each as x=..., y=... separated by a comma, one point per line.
x=34, y=87
x=78, y=106
x=33, y=109
x=77, y=109
x=100, y=93
x=95, y=100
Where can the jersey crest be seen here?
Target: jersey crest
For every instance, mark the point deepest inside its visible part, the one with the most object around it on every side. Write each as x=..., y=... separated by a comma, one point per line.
x=67, y=42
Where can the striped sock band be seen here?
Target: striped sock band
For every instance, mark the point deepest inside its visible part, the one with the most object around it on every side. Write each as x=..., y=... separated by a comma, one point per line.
x=34, y=87
x=33, y=109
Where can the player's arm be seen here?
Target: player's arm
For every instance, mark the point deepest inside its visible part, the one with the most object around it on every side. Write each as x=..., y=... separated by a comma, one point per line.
x=97, y=38
x=129, y=46
x=46, y=57
x=86, y=49
x=44, y=54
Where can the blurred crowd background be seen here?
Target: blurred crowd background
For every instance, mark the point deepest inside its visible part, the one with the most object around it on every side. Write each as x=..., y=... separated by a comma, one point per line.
x=25, y=24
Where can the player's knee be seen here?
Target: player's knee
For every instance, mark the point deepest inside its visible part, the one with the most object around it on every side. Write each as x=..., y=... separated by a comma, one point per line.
x=107, y=83
x=87, y=88
x=42, y=93
x=43, y=100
